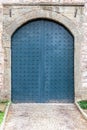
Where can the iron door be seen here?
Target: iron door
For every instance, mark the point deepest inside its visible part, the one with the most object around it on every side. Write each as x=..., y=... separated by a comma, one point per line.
x=42, y=63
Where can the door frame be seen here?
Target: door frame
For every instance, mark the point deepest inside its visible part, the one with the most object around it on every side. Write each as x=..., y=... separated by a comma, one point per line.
x=46, y=14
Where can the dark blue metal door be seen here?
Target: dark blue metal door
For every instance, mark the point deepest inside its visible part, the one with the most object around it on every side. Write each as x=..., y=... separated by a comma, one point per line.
x=42, y=63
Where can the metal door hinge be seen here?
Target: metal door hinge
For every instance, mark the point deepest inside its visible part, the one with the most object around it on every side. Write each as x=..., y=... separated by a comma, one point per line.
x=75, y=14
x=10, y=12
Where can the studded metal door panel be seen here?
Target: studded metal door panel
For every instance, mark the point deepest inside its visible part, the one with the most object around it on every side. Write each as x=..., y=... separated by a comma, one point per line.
x=26, y=65
x=42, y=63
x=59, y=63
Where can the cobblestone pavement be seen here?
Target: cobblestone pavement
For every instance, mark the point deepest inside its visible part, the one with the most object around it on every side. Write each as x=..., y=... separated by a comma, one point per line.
x=44, y=117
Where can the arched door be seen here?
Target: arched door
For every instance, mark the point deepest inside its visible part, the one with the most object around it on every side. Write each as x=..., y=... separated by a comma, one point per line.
x=42, y=63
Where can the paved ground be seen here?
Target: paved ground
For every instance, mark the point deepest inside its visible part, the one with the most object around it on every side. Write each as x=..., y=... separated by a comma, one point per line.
x=44, y=117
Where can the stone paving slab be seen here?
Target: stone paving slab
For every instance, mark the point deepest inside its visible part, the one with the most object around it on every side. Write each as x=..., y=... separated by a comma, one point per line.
x=44, y=117
x=85, y=111
x=2, y=107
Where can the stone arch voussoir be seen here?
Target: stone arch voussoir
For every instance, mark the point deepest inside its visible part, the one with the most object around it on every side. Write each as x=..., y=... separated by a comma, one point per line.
x=19, y=21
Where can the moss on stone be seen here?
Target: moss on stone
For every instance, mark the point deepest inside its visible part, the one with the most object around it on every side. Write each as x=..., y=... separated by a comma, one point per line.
x=1, y=116
x=83, y=104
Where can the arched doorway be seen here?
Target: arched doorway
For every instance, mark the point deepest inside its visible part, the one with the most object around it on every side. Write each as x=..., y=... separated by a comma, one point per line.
x=42, y=63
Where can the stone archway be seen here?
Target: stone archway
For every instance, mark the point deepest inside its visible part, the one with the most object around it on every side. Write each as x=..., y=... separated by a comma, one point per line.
x=19, y=21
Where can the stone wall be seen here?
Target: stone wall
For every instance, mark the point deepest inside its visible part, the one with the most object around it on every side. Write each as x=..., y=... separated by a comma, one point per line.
x=1, y=53
x=84, y=54
x=61, y=1
x=75, y=10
